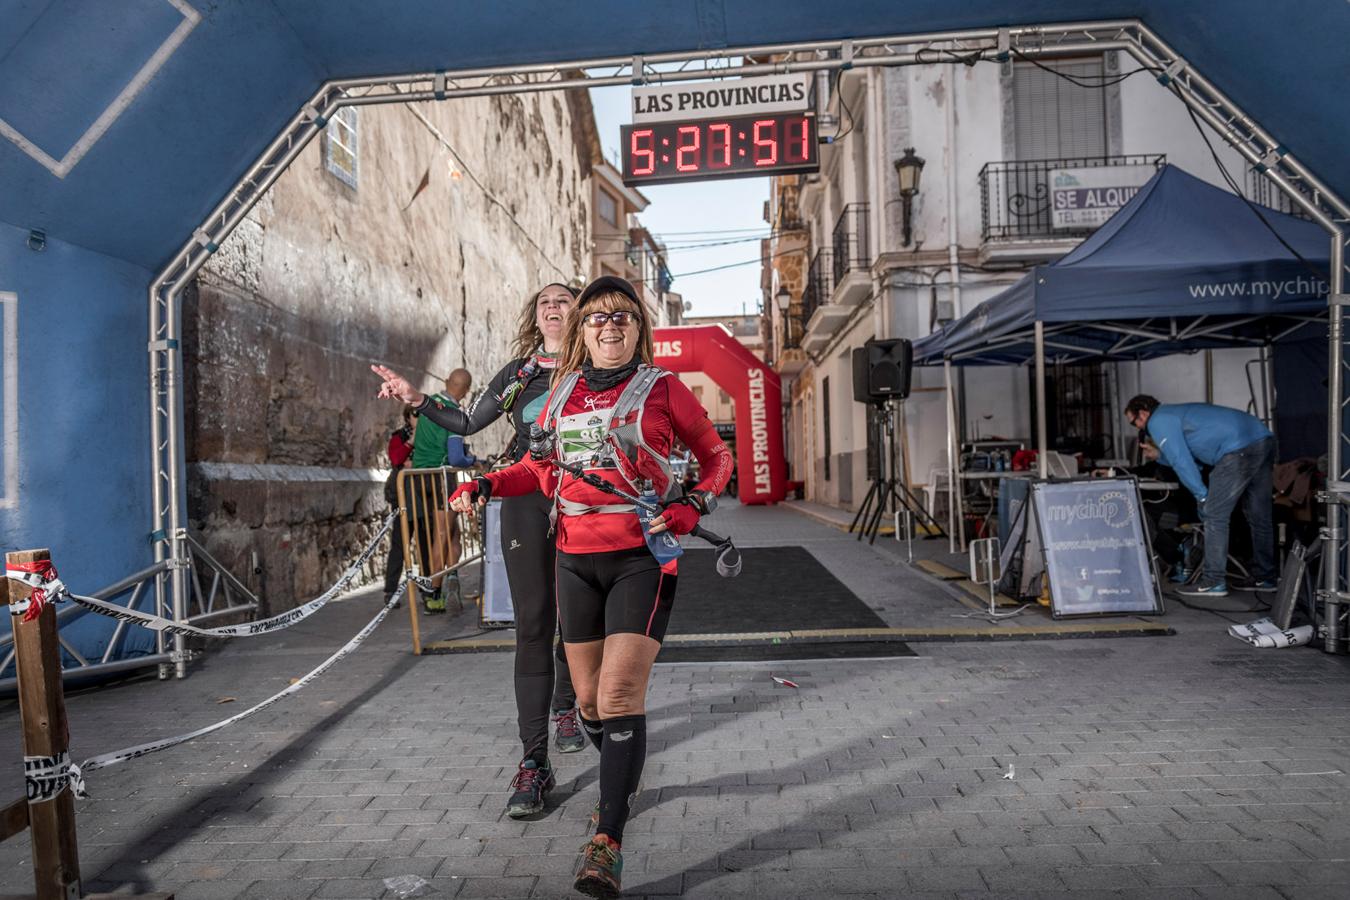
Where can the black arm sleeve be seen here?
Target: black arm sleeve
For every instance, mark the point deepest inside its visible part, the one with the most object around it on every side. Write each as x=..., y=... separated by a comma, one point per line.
x=484, y=412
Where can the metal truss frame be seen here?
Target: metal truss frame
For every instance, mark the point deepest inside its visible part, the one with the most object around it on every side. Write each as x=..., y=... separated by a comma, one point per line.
x=1238, y=129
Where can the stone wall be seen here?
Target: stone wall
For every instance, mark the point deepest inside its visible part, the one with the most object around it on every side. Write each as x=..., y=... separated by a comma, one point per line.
x=285, y=439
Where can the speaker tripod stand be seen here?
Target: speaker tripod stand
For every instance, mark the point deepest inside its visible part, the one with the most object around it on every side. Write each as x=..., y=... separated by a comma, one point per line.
x=888, y=491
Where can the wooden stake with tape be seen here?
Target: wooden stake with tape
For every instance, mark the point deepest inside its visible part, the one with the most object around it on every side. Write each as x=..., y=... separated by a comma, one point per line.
x=46, y=733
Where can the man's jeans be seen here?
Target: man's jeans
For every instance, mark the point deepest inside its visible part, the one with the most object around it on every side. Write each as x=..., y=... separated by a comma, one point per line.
x=1244, y=474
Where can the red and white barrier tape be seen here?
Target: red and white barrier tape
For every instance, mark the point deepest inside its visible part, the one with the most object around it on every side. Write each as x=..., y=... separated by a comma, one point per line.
x=47, y=587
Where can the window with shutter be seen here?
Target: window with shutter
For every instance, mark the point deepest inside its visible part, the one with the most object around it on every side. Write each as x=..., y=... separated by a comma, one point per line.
x=1055, y=118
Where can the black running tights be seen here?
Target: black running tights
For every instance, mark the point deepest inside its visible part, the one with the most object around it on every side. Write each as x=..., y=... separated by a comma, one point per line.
x=529, y=553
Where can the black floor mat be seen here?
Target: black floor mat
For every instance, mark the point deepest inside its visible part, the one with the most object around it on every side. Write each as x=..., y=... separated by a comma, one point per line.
x=779, y=589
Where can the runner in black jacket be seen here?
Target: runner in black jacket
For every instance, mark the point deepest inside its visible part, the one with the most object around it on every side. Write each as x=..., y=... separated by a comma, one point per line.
x=519, y=390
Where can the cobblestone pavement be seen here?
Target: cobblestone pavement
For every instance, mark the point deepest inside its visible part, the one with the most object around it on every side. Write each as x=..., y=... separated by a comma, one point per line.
x=1175, y=766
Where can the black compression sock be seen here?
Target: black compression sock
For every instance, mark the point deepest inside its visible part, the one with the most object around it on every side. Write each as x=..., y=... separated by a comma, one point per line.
x=595, y=730
x=621, y=759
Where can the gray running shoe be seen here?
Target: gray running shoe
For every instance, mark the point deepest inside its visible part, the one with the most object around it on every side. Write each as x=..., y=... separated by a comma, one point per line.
x=567, y=736
x=530, y=784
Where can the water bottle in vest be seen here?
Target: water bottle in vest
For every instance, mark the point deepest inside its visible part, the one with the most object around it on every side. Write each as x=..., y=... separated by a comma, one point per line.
x=664, y=546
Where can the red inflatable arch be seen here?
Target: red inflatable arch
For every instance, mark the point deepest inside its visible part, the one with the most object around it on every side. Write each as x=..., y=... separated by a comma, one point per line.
x=761, y=468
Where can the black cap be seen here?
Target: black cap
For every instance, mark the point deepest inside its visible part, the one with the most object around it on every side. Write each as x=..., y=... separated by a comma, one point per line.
x=605, y=284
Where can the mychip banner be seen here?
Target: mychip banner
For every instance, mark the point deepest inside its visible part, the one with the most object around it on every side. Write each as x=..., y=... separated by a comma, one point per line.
x=1096, y=548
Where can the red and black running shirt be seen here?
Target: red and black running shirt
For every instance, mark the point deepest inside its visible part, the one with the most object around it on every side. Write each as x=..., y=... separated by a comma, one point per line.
x=670, y=412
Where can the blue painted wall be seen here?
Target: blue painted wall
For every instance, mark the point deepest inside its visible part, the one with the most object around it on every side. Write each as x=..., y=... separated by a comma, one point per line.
x=84, y=406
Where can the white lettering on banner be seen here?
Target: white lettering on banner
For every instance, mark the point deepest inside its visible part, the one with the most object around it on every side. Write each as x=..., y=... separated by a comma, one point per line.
x=1112, y=510
x=759, y=431
x=670, y=348
x=739, y=97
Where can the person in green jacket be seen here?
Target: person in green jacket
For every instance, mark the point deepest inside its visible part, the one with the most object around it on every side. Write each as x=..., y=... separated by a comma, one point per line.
x=437, y=447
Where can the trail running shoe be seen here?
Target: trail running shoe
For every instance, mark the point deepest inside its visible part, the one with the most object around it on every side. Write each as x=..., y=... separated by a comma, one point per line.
x=433, y=605
x=599, y=868
x=530, y=784
x=567, y=736
x=1209, y=590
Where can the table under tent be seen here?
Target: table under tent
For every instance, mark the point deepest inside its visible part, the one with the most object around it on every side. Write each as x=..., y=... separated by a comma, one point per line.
x=1185, y=266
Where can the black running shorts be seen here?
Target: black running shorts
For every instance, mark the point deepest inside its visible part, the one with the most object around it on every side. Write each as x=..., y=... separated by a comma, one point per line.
x=621, y=592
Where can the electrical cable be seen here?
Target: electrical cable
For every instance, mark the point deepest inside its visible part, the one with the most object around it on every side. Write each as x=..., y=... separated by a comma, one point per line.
x=851, y=119
x=1102, y=80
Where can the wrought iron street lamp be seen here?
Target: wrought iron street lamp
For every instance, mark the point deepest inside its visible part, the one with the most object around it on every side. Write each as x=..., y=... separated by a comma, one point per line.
x=907, y=170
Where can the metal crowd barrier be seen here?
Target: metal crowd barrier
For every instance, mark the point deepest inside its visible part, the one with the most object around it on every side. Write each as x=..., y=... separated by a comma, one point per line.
x=426, y=526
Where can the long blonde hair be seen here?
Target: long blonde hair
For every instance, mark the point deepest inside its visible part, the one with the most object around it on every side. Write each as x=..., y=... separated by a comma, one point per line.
x=528, y=336
x=574, y=342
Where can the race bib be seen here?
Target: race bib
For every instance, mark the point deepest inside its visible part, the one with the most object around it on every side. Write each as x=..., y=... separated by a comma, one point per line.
x=581, y=434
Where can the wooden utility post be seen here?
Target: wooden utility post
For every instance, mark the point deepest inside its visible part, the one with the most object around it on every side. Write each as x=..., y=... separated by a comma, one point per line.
x=42, y=711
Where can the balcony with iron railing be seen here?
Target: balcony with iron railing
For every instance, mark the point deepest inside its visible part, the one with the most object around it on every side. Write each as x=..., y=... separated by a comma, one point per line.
x=852, y=256
x=821, y=315
x=1263, y=191
x=1019, y=221
x=790, y=358
x=819, y=283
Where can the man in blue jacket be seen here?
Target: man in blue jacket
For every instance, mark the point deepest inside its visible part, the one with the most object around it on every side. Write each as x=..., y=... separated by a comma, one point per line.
x=1242, y=453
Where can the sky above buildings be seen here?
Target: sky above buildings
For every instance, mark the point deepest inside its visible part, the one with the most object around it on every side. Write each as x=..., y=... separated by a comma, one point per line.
x=707, y=225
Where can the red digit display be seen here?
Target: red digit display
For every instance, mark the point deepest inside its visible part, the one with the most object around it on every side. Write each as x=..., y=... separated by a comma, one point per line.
x=719, y=141
x=686, y=153
x=766, y=142
x=678, y=150
x=642, y=144
x=798, y=148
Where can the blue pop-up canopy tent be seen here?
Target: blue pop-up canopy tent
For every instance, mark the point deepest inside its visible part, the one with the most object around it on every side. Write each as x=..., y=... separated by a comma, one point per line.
x=1183, y=266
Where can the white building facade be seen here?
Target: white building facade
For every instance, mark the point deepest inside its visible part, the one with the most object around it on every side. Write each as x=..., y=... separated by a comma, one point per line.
x=840, y=271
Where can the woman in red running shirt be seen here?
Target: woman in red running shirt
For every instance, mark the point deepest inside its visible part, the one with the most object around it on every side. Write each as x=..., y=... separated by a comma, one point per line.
x=614, y=597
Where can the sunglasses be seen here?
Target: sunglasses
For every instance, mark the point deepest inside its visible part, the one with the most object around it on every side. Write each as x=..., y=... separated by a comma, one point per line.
x=620, y=317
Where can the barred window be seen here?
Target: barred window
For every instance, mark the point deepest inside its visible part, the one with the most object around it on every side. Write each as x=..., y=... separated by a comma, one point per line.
x=341, y=152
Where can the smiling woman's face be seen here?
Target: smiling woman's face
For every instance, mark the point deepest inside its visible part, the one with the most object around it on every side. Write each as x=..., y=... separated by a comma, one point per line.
x=550, y=314
x=611, y=346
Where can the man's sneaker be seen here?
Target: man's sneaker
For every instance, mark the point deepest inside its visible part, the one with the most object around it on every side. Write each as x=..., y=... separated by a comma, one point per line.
x=600, y=868
x=1265, y=586
x=530, y=784
x=1180, y=575
x=1210, y=590
x=567, y=736
x=433, y=605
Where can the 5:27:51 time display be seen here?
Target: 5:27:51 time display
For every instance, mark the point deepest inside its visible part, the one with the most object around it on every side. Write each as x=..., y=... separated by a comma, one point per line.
x=659, y=152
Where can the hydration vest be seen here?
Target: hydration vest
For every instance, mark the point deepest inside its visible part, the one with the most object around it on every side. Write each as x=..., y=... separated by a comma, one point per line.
x=619, y=441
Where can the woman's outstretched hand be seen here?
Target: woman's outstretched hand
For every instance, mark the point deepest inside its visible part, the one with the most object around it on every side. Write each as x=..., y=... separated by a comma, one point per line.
x=396, y=387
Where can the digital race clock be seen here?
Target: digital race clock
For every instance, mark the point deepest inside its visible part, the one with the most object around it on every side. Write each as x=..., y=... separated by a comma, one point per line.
x=770, y=144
